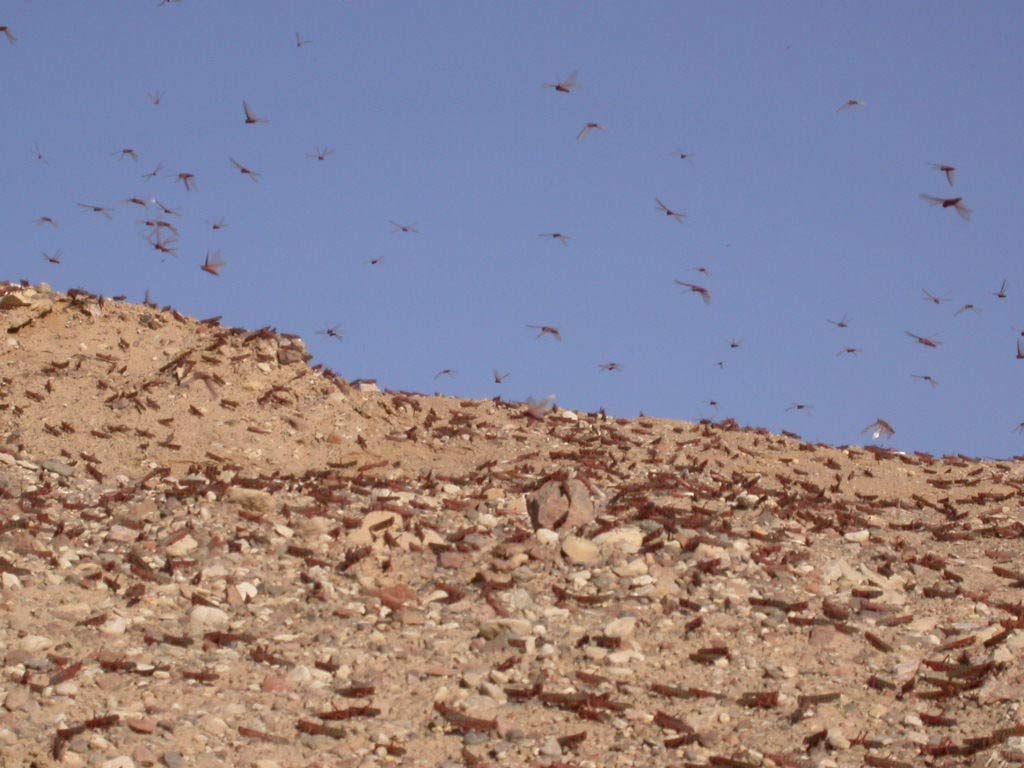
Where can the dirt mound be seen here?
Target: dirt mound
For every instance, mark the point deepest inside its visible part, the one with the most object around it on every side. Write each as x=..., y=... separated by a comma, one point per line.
x=213, y=554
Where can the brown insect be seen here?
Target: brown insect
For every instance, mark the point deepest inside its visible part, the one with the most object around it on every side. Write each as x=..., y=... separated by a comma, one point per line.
x=449, y=372
x=588, y=129
x=46, y=220
x=213, y=264
x=933, y=298
x=96, y=209
x=565, y=86
x=121, y=154
x=956, y=203
x=6, y=31
x=851, y=351
x=334, y=332
x=154, y=173
x=682, y=155
x=158, y=224
x=1001, y=293
x=299, y=42
x=735, y=343
x=39, y=154
x=851, y=103
x=669, y=212
x=164, y=245
x=610, y=367
x=799, y=407
x=842, y=323
x=700, y=290
x=154, y=97
x=188, y=179
x=499, y=378
x=546, y=330
x=250, y=117
x=966, y=308
x=166, y=209
x=53, y=258
x=932, y=343
x=405, y=228
x=1020, y=349
x=244, y=171
x=321, y=154
x=136, y=201
x=563, y=239
x=880, y=428
x=925, y=377
x=218, y=225
x=948, y=170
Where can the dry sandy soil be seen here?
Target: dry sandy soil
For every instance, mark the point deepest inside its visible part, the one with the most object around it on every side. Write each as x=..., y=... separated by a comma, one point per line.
x=213, y=554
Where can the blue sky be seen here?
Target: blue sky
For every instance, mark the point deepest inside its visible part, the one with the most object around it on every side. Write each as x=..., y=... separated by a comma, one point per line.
x=438, y=117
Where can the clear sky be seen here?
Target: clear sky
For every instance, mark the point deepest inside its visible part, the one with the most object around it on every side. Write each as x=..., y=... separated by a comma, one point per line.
x=438, y=117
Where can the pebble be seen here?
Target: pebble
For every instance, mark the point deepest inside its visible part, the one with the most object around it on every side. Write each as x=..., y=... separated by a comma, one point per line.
x=547, y=537
x=172, y=759
x=580, y=551
x=627, y=539
x=182, y=546
x=620, y=628
x=17, y=699
x=837, y=740
x=635, y=567
x=551, y=748
x=115, y=625
x=34, y=643
x=206, y=618
x=10, y=581
x=124, y=761
x=858, y=537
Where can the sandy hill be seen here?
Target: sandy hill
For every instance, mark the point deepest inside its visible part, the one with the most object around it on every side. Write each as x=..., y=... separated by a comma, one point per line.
x=213, y=554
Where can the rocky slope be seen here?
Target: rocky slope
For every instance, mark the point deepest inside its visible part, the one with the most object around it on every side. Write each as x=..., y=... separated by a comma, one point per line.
x=212, y=554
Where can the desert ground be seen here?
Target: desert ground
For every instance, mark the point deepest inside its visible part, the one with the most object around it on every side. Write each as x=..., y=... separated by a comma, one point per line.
x=214, y=554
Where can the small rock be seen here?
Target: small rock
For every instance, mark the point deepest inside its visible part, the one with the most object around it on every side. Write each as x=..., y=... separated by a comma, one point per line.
x=10, y=581
x=141, y=724
x=115, y=625
x=627, y=539
x=551, y=747
x=57, y=467
x=143, y=755
x=837, y=740
x=560, y=505
x=580, y=551
x=17, y=699
x=172, y=759
x=547, y=537
x=858, y=537
x=206, y=618
x=635, y=567
x=250, y=498
x=289, y=356
x=34, y=643
x=747, y=501
x=182, y=546
x=124, y=761
x=620, y=628
x=276, y=684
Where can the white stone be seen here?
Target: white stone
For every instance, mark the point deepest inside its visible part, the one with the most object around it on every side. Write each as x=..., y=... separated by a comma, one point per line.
x=205, y=618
